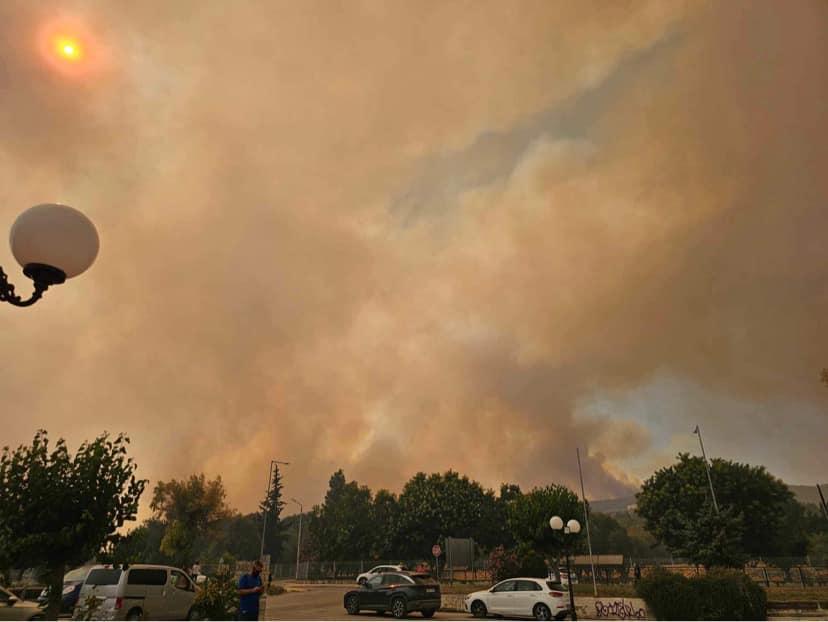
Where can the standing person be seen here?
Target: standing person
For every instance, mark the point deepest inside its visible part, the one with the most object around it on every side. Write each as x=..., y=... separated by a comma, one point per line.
x=195, y=570
x=637, y=572
x=250, y=588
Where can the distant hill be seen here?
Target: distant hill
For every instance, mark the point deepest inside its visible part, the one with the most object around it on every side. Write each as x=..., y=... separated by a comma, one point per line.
x=612, y=506
x=803, y=494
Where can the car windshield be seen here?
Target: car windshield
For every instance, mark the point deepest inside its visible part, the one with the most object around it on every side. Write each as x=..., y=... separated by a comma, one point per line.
x=555, y=586
x=104, y=576
x=422, y=579
x=75, y=575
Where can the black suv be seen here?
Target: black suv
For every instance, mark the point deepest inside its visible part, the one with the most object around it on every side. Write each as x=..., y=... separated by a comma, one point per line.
x=397, y=592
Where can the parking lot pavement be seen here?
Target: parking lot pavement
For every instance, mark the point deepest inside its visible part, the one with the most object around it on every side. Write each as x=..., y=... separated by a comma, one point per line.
x=324, y=602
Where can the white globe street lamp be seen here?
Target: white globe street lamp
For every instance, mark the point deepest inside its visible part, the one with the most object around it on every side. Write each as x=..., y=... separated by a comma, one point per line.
x=52, y=243
x=573, y=528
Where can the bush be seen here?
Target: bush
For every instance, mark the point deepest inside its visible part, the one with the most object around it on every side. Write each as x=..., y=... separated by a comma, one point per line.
x=669, y=596
x=503, y=564
x=718, y=595
x=524, y=562
x=730, y=595
x=219, y=598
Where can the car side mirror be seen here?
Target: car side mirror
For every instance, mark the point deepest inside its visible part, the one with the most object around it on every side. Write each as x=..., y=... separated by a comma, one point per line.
x=11, y=601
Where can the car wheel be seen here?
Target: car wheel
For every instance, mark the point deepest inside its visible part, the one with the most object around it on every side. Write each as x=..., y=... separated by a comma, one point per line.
x=478, y=609
x=135, y=614
x=427, y=613
x=352, y=605
x=541, y=612
x=362, y=581
x=398, y=607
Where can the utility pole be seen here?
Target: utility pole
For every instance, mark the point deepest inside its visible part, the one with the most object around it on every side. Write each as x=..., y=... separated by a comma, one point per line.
x=697, y=431
x=299, y=536
x=273, y=464
x=823, y=505
x=586, y=517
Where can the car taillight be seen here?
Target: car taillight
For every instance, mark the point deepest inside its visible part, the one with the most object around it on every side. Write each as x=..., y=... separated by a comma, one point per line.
x=556, y=594
x=119, y=602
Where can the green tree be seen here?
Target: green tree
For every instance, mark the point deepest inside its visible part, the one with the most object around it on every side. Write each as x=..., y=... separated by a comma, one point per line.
x=272, y=507
x=190, y=509
x=240, y=538
x=509, y=492
x=385, y=514
x=433, y=507
x=529, y=514
x=676, y=506
x=341, y=528
x=609, y=537
x=58, y=510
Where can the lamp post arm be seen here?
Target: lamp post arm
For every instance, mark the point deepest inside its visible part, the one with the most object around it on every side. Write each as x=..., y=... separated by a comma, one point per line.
x=7, y=292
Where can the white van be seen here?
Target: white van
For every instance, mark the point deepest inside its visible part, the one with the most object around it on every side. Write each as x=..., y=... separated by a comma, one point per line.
x=139, y=592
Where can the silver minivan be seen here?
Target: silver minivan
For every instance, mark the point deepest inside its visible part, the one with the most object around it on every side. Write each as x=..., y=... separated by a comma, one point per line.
x=139, y=592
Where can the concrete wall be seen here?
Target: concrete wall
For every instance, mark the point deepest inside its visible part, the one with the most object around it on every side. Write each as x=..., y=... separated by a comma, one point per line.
x=609, y=608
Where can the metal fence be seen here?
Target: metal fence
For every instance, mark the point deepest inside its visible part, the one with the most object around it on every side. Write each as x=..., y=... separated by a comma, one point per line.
x=802, y=572
x=609, y=569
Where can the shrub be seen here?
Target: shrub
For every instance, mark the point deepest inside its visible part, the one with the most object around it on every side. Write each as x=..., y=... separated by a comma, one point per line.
x=718, y=595
x=523, y=562
x=219, y=598
x=669, y=596
x=503, y=564
x=730, y=595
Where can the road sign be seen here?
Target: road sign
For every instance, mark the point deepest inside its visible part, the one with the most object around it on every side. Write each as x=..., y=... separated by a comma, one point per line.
x=436, y=550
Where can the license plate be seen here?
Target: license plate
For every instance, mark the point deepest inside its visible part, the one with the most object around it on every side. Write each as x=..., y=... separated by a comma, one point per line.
x=430, y=589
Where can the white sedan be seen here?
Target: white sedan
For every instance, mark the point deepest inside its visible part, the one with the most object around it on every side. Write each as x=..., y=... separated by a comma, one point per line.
x=367, y=576
x=522, y=597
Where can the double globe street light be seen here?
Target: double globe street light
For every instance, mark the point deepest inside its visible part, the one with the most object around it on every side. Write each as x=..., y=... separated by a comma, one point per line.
x=572, y=527
x=52, y=243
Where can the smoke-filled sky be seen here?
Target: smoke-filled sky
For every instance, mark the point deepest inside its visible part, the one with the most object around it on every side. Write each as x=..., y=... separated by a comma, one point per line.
x=398, y=236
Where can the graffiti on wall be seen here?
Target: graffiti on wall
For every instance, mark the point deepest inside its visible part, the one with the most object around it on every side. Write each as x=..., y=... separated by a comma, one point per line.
x=619, y=609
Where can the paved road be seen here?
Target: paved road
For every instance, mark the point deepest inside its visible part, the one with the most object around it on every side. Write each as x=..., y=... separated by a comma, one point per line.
x=324, y=602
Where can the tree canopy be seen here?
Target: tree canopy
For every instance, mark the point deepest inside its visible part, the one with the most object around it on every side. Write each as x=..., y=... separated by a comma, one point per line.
x=433, y=507
x=529, y=514
x=59, y=510
x=676, y=505
x=190, y=509
x=341, y=528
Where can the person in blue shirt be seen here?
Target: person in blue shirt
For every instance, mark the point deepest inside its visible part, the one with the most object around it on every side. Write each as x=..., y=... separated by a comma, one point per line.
x=250, y=588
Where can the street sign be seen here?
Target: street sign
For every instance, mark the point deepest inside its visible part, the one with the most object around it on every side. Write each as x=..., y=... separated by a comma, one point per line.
x=436, y=550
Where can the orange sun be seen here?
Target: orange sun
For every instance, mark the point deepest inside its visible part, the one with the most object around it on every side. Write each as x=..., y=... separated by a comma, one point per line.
x=67, y=48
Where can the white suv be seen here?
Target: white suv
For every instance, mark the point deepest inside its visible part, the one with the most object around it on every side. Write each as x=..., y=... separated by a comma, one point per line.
x=522, y=597
x=139, y=592
x=367, y=576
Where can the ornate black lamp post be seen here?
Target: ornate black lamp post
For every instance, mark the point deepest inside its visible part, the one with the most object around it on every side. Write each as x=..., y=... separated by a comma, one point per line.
x=572, y=527
x=52, y=243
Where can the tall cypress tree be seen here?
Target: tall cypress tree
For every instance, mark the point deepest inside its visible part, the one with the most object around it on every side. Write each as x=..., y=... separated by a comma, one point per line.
x=272, y=506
